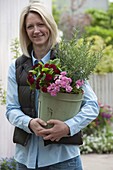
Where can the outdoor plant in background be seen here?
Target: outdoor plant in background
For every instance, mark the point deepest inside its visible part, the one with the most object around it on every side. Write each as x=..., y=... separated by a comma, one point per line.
x=2, y=95
x=105, y=118
x=98, y=135
x=98, y=142
x=102, y=122
x=75, y=61
x=15, y=48
x=8, y=164
x=106, y=63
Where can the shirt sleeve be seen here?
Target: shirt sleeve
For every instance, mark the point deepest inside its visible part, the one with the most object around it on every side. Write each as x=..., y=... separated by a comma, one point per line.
x=88, y=112
x=13, y=110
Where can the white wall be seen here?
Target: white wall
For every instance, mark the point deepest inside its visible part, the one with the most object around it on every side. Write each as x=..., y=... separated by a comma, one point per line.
x=9, y=27
x=9, y=23
x=6, y=134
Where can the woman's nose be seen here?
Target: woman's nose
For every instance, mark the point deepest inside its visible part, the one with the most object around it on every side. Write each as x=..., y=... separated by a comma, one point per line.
x=36, y=29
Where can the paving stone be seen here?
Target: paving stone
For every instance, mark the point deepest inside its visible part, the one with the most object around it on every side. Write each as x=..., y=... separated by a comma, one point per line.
x=97, y=161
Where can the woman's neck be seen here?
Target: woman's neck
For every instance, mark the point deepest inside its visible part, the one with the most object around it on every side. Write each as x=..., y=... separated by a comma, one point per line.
x=40, y=52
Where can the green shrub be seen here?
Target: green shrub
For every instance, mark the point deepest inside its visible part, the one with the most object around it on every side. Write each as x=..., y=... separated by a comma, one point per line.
x=105, y=64
x=102, y=26
x=8, y=164
x=101, y=23
x=102, y=32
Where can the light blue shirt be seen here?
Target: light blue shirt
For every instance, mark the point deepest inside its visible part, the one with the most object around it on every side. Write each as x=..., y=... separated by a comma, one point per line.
x=35, y=152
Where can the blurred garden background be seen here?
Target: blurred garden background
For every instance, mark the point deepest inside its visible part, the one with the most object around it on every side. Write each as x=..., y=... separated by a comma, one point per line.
x=92, y=20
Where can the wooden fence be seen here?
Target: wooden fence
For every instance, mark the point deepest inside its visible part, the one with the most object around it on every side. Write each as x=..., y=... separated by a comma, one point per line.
x=101, y=84
x=103, y=87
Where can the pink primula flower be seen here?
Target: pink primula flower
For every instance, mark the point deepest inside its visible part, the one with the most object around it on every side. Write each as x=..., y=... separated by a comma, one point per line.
x=58, y=82
x=63, y=84
x=63, y=73
x=69, y=89
x=79, y=83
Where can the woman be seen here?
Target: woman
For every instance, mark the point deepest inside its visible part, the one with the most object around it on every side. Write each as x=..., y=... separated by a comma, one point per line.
x=38, y=35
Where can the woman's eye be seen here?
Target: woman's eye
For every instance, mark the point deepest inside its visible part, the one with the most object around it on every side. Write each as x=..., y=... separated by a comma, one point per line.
x=41, y=24
x=29, y=27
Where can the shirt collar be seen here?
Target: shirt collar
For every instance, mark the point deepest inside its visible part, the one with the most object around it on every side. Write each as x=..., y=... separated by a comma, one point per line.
x=45, y=59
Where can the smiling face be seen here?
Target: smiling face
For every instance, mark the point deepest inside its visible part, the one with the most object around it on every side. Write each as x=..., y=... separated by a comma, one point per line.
x=36, y=30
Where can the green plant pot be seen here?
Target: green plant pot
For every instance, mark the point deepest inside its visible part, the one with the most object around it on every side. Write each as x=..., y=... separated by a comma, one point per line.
x=62, y=107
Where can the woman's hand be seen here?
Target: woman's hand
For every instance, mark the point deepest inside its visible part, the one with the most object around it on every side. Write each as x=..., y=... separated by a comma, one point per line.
x=37, y=125
x=59, y=130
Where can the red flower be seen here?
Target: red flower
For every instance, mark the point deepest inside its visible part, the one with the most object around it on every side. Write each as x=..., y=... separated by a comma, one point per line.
x=31, y=81
x=53, y=66
x=57, y=71
x=30, y=75
x=30, y=78
x=47, y=65
x=48, y=77
x=44, y=89
x=37, y=83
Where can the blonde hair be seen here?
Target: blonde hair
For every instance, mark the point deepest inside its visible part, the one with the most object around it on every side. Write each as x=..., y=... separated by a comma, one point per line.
x=48, y=19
